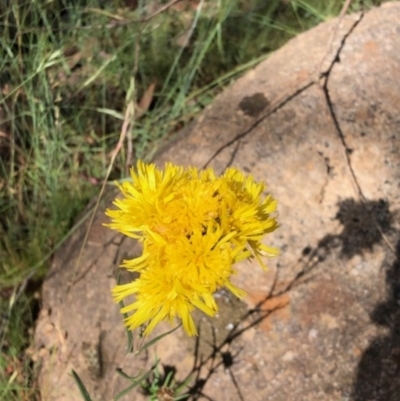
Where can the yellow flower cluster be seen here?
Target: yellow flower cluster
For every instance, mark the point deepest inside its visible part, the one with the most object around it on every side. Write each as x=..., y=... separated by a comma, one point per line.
x=194, y=226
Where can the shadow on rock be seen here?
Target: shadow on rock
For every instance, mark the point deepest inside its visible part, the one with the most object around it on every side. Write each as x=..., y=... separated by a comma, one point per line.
x=225, y=352
x=364, y=224
x=378, y=375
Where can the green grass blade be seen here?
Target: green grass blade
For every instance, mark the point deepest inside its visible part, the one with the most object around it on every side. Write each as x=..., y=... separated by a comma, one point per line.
x=154, y=340
x=134, y=384
x=85, y=394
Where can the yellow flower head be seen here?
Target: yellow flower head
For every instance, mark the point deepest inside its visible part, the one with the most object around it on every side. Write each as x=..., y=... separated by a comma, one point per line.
x=194, y=227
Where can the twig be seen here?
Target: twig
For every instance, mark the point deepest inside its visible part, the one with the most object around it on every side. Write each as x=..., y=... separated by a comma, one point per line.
x=126, y=126
x=135, y=70
x=160, y=10
x=122, y=22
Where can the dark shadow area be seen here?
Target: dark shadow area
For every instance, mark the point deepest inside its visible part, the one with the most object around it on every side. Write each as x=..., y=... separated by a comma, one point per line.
x=161, y=378
x=221, y=355
x=378, y=373
x=364, y=224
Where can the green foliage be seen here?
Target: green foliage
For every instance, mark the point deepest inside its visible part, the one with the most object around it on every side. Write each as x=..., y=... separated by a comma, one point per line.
x=163, y=387
x=17, y=379
x=64, y=72
x=157, y=386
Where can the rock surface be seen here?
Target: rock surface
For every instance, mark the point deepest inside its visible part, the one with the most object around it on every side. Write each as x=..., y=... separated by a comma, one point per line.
x=319, y=121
